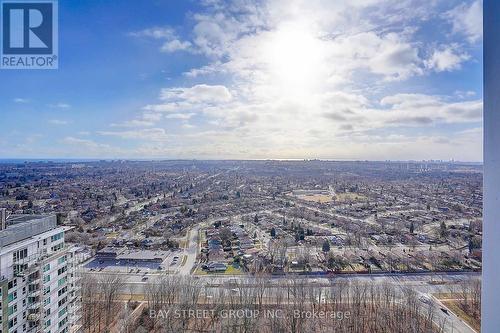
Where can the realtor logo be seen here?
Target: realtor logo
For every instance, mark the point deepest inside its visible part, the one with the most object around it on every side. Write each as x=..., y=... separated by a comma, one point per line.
x=29, y=34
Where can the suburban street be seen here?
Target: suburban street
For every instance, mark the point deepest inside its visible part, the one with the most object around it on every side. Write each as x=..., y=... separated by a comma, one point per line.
x=424, y=284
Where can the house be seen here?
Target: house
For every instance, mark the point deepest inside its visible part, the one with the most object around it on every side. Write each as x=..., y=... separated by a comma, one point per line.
x=216, y=267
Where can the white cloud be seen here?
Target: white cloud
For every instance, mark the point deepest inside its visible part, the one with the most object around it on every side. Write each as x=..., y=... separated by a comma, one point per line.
x=171, y=42
x=155, y=32
x=447, y=58
x=170, y=107
x=150, y=116
x=21, y=100
x=148, y=134
x=134, y=123
x=90, y=148
x=464, y=94
x=208, y=69
x=189, y=99
x=58, y=122
x=389, y=55
x=201, y=93
x=419, y=109
x=294, y=78
x=183, y=116
x=467, y=19
x=85, y=143
x=175, y=45
x=60, y=105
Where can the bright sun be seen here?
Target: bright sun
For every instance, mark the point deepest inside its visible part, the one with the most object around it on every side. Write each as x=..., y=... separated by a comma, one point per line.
x=295, y=57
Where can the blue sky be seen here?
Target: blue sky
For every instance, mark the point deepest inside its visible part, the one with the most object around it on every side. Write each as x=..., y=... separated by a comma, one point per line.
x=253, y=79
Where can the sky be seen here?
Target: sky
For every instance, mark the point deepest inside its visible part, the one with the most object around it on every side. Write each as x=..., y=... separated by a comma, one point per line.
x=266, y=79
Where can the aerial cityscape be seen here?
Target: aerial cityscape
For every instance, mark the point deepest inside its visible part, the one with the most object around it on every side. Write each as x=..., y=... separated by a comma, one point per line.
x=243, y=166
x=238, y=231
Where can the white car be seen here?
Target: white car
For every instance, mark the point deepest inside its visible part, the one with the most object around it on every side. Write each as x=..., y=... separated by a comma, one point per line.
x=424, y=299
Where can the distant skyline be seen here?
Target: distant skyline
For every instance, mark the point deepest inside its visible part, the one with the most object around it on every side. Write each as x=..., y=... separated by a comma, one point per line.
x=89, y=160
x=269, y=79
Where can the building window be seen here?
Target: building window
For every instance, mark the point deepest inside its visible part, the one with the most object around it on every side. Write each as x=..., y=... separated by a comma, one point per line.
x=62, y=270
x=57, y=247
x=56, y=237
x=19, y=268
x=63, y=322
x=12, y=296
x=63, y=312
x=12, y=309
x=61, y=281
x=20, y=254
x=32, y=300
x=12, y=283
x=46, y=268
x=62, y=291
x=13, y=322
x=62, y=302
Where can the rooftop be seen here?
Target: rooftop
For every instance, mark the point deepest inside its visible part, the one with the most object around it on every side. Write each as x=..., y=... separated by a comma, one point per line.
x=20, y=218
x=20, y=227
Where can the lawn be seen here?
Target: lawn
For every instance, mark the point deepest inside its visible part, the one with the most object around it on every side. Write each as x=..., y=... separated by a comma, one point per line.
x=345, y=197
x=452, y=305
x=231, y=270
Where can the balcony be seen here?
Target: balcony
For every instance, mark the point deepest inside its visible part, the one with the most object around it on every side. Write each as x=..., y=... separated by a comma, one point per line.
x=33, y=303
x=34, y=317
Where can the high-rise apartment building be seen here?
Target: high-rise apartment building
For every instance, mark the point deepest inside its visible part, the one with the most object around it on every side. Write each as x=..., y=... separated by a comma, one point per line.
x=36, y=293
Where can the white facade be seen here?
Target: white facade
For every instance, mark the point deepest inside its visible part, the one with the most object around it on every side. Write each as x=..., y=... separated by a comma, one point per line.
x=36, y=295
x=76, y=256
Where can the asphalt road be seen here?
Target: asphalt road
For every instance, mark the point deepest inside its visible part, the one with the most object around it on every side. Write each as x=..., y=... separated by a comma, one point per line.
x=190, y=251
x=424, y=284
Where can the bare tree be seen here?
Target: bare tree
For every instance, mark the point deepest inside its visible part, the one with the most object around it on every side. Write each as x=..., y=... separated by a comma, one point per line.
x=92, y=304
x=110, y=286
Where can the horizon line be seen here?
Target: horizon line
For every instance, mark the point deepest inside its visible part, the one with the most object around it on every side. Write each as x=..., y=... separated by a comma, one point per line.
x=108, y=159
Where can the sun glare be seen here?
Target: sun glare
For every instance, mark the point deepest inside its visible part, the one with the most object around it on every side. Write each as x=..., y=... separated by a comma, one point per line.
x=294, y=56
